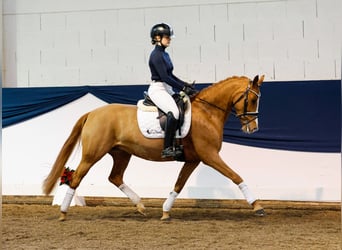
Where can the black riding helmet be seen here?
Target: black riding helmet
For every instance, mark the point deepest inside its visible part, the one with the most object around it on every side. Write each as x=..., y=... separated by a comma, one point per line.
x=161, y=29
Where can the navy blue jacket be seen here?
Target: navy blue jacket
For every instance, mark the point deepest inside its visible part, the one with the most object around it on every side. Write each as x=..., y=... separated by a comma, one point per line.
x=161, y=68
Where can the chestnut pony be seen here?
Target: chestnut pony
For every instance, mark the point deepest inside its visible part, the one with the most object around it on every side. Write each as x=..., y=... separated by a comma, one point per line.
x=113, y=129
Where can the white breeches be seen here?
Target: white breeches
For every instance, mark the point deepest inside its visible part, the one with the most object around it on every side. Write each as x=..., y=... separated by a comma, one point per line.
x=161, y=94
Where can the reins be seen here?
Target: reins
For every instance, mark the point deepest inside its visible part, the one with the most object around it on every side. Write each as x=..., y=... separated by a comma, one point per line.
x=211, y=104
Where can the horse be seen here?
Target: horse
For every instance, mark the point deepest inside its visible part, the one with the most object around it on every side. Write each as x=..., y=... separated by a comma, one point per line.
x=113, y=129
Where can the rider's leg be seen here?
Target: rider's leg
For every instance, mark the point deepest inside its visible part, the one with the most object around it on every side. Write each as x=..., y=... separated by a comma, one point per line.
x=170, y=130
x=161, y=96
x=163, y=99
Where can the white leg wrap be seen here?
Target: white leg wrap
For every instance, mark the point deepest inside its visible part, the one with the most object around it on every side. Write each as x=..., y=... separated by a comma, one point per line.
x=130, y=193
x=169, y=201
x=67, y=199
x=247, y=193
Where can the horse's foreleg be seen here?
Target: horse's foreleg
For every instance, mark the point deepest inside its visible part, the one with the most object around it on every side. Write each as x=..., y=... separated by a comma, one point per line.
x=121, y=160
x=251, y=199
x=183, y=176
x=218, y=164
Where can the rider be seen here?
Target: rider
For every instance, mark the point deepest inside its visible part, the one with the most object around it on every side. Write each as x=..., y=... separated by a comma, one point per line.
x=164, y=83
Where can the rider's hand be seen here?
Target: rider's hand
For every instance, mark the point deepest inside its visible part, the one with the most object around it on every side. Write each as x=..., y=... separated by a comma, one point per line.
x=191, y=85
x=189, y=89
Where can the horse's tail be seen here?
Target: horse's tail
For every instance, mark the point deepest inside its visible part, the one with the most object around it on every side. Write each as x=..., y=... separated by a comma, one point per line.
x=63, y=156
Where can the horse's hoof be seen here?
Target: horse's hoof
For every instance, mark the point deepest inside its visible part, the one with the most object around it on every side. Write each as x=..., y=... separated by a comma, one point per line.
x=141, y=209
x=62, y=217
x=165, y=217
x=260, y=212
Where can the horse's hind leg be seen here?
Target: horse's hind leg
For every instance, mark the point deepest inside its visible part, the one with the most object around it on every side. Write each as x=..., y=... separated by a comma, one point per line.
x=121, y=160
x=81, y=170
x=183, y=176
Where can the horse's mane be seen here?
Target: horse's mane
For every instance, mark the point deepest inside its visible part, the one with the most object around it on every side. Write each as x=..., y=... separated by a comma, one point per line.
x=228, y=79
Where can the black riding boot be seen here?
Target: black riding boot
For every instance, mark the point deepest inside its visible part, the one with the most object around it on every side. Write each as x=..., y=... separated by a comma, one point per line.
x=170, y=130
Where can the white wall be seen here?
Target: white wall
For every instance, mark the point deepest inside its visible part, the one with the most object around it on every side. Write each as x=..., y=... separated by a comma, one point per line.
x=80, y=42
x=30, y=148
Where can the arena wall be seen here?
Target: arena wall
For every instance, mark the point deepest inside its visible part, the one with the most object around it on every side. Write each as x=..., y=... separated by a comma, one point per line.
x=31, y=147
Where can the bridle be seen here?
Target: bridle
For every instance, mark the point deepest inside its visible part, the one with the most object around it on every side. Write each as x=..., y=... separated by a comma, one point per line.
x=245, y=105
x=245, y=112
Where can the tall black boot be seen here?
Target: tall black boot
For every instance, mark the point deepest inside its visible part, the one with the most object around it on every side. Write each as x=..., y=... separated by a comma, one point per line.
x=170, y=130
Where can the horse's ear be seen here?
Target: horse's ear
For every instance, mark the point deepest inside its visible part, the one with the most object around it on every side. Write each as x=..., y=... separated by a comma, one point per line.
x=261, y=80
x=258, y=80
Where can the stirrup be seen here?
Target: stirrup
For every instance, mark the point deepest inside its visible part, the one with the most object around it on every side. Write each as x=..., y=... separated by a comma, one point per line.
x=171, y=152
x=167, y=152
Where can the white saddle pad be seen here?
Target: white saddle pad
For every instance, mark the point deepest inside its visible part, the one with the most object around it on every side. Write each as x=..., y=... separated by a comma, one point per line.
x=149, y=123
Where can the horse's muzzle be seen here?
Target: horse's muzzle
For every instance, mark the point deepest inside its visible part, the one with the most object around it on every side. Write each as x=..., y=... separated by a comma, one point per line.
x=253, y=130
x=250, y=127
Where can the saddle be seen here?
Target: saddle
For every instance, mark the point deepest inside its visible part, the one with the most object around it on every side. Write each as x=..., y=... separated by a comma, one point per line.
x=181, y=102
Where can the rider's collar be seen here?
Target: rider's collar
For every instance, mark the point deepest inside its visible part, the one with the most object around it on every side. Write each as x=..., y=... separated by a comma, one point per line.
x=160, y=47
